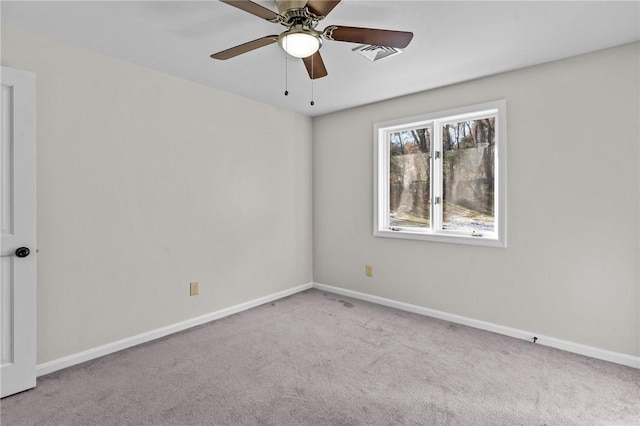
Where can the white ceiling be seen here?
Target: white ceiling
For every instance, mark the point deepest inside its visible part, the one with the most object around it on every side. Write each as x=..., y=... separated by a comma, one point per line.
x=453, y=41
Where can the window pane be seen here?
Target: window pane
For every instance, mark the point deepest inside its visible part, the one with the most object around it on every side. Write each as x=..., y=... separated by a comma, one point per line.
x=468, y=175
x=409, y=178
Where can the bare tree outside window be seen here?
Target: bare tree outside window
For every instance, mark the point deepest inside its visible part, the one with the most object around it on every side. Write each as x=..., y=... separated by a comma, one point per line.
x=410, y=178
x=468, y=175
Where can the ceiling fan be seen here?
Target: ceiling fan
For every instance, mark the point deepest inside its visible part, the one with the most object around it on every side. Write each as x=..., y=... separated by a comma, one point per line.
x=301, y=39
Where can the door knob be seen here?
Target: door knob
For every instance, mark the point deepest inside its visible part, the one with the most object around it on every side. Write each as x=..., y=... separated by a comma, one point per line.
x=22, y=252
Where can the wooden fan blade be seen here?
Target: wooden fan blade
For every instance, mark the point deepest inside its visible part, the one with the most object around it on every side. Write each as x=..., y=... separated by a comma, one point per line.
x=321, y=7
x=315, y=66
x=254, y=9
x=246, y=47
x=388, y=38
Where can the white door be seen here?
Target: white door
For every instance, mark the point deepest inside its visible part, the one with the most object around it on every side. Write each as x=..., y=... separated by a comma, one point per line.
x=18, y=209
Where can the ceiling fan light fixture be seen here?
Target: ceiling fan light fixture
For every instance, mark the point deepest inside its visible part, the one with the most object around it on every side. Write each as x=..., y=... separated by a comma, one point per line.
x=300, y=42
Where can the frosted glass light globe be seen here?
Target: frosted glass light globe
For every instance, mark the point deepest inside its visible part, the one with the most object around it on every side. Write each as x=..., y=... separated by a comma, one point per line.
x=300, y=42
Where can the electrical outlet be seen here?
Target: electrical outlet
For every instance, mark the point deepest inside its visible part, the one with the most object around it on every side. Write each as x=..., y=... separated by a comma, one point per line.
x=368, y=270
x=193, y=288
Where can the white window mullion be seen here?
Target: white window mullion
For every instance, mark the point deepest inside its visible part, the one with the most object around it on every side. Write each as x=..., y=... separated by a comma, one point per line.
x=436, y=176
x=384, y=185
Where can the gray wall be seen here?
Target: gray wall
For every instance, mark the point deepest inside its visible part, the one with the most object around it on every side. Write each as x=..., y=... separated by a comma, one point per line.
x=147, y=182
x=570, y=270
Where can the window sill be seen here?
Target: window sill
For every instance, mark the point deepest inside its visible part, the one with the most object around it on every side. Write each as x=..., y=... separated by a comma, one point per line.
x=441, y=238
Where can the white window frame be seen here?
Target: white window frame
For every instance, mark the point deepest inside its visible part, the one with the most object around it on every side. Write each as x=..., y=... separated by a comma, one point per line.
x=434, y=121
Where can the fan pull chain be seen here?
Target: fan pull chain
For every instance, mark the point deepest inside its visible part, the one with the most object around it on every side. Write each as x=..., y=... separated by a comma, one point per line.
x=286, y=74
x=312, y=76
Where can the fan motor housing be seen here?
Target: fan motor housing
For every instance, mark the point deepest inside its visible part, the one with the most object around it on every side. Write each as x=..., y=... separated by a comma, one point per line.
x=286, y=5
x=296, y=17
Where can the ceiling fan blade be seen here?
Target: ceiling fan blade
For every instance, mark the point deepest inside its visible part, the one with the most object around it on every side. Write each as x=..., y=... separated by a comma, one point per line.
x=315, y=66
x=246, y=47
x=387, y=38
x=254, y=9
x=322, y=7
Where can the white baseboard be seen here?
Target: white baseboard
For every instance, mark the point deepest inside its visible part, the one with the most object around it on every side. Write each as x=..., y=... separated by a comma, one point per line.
x=590, y=351
x=68, y=361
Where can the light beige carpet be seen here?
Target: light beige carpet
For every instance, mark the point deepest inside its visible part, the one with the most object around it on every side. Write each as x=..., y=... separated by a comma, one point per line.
x=316, y=358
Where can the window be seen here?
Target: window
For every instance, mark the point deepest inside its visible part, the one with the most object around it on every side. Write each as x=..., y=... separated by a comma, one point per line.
x=441, y=176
